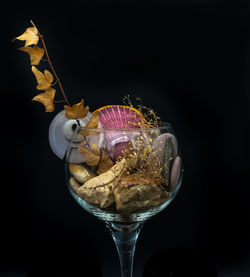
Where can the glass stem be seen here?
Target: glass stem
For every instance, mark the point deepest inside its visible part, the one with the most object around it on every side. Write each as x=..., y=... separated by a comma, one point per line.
x=125, y=237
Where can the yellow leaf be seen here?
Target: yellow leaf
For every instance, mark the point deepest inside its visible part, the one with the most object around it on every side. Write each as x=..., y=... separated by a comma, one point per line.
x=93, y=123
x=48, y=76
x=76, y=111
x=43, y=80
x=30, y=36
x=46, y=99
x=95, y=156
x=105, y=164
x=92, y=155
x=36, y=54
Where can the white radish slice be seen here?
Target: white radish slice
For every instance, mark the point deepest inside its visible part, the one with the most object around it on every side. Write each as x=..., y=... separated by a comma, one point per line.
x=61, y=131
x=175, y=173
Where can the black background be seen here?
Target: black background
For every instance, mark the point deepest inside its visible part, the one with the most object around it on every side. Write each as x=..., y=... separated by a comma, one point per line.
x=189, y=62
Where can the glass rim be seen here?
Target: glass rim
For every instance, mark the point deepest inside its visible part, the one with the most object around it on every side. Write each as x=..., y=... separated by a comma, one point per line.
x=164, y=125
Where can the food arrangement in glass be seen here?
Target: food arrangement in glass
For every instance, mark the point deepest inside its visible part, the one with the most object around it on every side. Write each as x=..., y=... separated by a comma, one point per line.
x=122, y=164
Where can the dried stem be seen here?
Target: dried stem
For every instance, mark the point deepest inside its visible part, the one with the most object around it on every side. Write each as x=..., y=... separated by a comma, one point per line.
x=52, y=68
x=50, y=63
x=59, y=101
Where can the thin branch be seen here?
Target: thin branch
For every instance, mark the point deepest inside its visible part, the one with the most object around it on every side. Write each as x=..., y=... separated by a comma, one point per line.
x=54, y=83
x=52, y=68
x=59, y=101
x=50, y=63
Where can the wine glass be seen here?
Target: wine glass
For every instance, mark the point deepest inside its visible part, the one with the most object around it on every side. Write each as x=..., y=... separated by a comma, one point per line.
x=123, y=177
